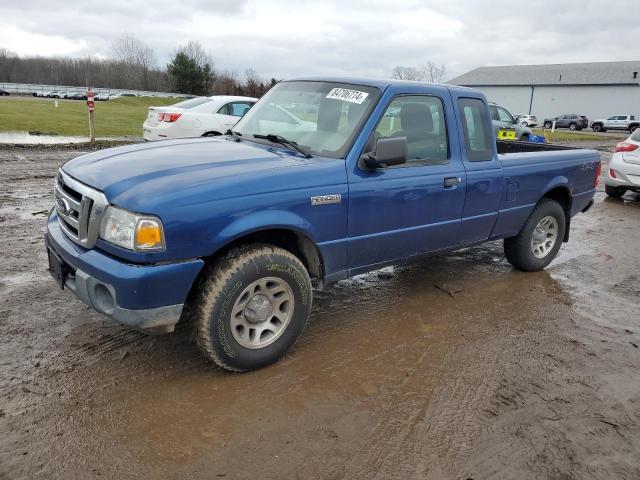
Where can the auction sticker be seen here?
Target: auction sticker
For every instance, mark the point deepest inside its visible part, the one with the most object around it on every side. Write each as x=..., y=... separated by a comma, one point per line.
x=353, y=96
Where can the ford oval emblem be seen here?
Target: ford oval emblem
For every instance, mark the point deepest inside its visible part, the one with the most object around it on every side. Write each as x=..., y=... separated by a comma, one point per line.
x=63, y=206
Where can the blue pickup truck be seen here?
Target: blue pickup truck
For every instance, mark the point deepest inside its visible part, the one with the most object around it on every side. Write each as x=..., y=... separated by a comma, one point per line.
x=323, y=179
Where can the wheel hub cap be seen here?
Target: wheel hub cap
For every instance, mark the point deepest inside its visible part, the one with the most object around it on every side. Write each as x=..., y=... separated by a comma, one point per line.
x=262, y=312
x=258, y=309
x=544, y=237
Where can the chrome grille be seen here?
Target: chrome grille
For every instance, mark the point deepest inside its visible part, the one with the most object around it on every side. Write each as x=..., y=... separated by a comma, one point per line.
x=79, y=208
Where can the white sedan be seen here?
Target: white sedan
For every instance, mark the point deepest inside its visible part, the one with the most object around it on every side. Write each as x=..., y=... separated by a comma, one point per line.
x=197, y=117
x=624, y=169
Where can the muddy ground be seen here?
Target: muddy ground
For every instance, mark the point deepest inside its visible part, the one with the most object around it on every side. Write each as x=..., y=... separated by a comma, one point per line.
x=457, y=367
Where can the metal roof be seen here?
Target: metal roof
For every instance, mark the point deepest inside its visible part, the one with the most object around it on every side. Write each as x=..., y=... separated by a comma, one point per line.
x=601, y=73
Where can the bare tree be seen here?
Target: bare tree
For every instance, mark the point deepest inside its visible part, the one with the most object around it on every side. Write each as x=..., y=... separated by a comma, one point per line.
x=406, y=73
x=136, y=58
x=432, y=73
x=428, y=72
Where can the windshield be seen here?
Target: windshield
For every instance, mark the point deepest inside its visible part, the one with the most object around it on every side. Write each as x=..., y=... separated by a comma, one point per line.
x=323, y=117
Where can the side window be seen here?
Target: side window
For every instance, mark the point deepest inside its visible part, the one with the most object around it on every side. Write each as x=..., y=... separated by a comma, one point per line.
x=238, y=109
x=420, y=118
x=494, y=113
x=477, y=131
x=224, y=110
x=505, y=116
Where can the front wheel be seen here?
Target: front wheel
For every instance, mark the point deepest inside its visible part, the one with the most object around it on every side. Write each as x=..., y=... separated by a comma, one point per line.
x=252, y=306
x=538, y=242
x=597, y=127
x=633, y=128
x=547, y=125
x=573, y=126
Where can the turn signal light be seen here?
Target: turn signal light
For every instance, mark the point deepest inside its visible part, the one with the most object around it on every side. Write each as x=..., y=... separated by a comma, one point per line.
x=625, y=147
x=598, y=172
x=148, y=235
x=169, y=117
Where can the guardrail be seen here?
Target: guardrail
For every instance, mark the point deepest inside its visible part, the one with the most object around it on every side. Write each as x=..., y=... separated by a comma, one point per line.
x=31, y=88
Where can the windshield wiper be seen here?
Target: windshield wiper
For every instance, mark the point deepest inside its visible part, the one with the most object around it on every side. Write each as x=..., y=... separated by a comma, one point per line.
x=280, y=139
x=235, y=135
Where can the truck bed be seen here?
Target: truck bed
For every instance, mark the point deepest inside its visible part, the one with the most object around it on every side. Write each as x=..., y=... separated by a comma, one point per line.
x=511, y=146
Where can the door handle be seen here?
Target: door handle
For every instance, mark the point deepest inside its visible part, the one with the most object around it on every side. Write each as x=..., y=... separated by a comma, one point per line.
x=452, y=181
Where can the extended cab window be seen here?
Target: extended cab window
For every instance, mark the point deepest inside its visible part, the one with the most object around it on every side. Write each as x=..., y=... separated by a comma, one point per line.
x=420, y=118
x=477, y=130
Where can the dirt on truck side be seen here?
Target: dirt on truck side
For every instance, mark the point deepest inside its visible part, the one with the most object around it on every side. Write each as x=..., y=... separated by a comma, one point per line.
x=454, y=367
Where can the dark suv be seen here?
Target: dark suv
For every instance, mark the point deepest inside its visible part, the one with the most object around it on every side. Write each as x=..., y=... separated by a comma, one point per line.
x=570, y=121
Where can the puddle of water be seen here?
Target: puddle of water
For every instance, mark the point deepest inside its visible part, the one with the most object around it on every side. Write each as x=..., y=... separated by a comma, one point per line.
x=25, y=138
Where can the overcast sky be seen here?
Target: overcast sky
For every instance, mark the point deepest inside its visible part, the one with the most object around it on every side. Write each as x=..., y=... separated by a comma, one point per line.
x=281, y=38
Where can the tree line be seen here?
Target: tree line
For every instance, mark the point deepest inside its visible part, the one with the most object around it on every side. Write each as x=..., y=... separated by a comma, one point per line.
x=134, y=66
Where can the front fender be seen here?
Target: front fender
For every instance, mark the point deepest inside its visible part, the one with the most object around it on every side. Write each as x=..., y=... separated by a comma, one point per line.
x=263, y=220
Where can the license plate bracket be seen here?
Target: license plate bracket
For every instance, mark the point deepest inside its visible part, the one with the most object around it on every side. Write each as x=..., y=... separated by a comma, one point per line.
x=57, y=268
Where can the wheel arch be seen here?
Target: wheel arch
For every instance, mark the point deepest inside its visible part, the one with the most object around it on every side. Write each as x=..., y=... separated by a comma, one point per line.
x=560, y=192
x=291, y=238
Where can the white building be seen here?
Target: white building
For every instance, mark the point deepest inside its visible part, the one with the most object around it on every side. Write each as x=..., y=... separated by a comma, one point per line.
x=593, y=89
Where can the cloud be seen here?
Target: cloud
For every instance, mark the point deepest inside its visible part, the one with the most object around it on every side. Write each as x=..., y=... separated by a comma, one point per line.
x=281, y=38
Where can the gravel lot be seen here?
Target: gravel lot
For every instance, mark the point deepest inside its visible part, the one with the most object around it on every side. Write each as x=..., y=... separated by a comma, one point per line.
x=457, y=367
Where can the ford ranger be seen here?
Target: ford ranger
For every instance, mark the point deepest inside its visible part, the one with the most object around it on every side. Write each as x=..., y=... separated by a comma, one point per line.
x=323, y=179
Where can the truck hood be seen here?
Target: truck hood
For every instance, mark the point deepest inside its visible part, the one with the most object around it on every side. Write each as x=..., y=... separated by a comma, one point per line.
x=167, y=167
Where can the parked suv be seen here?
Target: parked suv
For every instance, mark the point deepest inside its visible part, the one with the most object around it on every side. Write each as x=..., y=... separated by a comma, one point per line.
x=616, y=122
x=569, y=120
x=527, y=120
x=503, y=120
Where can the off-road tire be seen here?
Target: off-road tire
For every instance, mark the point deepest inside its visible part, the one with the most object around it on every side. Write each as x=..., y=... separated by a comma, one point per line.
x=220, y=286
x=518, y=249
x=614, y=192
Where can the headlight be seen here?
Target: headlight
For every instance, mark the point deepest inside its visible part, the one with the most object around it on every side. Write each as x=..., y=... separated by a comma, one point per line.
x=140, y=233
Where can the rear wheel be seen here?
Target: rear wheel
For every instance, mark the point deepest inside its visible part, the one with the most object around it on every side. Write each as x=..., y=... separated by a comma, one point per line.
x=614, y=192
x=538, y=242
x=252, y=306
x=633, y=128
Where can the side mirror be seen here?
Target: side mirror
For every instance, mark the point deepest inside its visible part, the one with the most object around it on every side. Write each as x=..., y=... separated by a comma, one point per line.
x=390, y=151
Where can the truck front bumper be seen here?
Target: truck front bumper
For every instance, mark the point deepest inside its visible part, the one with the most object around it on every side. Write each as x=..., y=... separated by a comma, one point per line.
x=145, y=297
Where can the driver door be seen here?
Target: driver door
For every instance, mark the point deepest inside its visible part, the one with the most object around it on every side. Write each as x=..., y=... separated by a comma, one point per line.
x=412, y=208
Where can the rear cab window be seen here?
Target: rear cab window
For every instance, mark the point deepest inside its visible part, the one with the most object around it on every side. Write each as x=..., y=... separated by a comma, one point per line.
x=192, y=102
x=477, y=130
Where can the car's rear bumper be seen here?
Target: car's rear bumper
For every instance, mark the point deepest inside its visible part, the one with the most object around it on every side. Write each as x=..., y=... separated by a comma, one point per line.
x=622, y=174
x=145, y=297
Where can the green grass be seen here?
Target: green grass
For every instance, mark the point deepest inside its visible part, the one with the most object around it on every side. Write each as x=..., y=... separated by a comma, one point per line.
x=569, y=136
x=122, y=116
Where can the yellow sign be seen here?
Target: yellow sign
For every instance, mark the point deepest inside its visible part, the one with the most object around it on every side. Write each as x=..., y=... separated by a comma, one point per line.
x=506, y=134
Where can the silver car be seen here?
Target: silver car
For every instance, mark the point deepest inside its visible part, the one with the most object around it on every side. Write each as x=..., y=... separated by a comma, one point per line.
x=503, y=120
